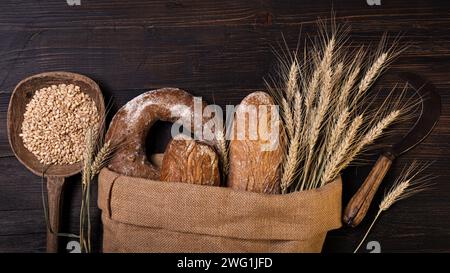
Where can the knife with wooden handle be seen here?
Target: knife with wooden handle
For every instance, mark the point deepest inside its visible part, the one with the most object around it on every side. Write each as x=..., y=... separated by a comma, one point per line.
x=431, y=110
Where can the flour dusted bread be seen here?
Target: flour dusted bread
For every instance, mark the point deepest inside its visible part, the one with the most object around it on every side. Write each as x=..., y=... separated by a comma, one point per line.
x=129, y=128
x=190, y=161
x=255, y=150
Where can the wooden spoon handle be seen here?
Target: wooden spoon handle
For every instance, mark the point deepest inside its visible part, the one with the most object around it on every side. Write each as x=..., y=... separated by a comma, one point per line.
x=359, y=204
x=54, y=193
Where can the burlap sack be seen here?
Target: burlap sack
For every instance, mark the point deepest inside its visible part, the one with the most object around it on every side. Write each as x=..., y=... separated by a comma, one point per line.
x=142, y=215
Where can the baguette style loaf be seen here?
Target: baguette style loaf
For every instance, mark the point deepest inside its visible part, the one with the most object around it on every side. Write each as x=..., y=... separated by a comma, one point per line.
x=255, y=162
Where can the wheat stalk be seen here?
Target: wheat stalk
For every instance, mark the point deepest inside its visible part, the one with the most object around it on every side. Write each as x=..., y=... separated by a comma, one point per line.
x=404, y=186
x=325, y=94
x=311, y=90
x=334, y=165
x=316, y=120
x=85, y=188
x=92, y=164
x=290, y=163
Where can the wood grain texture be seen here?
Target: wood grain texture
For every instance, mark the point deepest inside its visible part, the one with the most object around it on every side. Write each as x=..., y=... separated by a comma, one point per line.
x=55, y=186
x=359, y=204
x=221, y=51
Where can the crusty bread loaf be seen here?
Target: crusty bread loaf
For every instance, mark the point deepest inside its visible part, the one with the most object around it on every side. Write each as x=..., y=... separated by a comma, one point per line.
x=130, y=125
x=190, y=161
x=254, y=164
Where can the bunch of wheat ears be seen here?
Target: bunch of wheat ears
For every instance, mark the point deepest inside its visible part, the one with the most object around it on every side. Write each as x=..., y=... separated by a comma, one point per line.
x=323, y=96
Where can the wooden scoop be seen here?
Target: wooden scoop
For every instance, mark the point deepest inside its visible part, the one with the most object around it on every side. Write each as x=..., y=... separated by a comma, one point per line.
x=55, y=174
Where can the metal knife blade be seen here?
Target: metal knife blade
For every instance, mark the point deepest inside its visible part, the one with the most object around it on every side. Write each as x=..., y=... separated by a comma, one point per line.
x=430, y=112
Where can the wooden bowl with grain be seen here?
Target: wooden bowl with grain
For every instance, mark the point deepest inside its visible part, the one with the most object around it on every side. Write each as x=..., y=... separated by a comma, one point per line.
x=55, y=174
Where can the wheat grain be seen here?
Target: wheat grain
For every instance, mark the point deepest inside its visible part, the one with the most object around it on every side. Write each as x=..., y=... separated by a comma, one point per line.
x=55, y=122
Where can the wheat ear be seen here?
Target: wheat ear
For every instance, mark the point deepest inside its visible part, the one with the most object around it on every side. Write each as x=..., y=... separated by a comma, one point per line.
x=315, y=118
x=374, y=133
x=101, y=158
x=297, y=116
x=291, y=86
x=290, y=163
x=223, y=150
x=88, y=154
x=336, y=130
x=288, y=117
x=405, y=186
x=334, y=164
x=325, y=94
x=371, y=74
x=347, y=87
x=378, y=129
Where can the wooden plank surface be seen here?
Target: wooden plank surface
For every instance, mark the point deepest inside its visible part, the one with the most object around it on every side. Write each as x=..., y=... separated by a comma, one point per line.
x=220, y=50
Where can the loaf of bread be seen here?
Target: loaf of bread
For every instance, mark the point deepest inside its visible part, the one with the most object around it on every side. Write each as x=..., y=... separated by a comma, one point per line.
x=129, y=127
x=190, y=161
x=255, y=162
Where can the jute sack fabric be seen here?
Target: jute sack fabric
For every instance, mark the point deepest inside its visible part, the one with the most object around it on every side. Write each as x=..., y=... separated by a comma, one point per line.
x=141, y=215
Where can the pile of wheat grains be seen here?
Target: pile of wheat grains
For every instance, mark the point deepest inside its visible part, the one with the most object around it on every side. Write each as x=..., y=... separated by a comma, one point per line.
x=55, y=123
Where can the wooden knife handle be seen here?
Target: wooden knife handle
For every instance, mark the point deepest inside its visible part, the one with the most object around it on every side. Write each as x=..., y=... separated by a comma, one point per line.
x=359, y=204
x=54, y=192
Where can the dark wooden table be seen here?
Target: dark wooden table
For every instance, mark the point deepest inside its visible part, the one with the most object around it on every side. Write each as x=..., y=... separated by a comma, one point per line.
x=221, y=51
